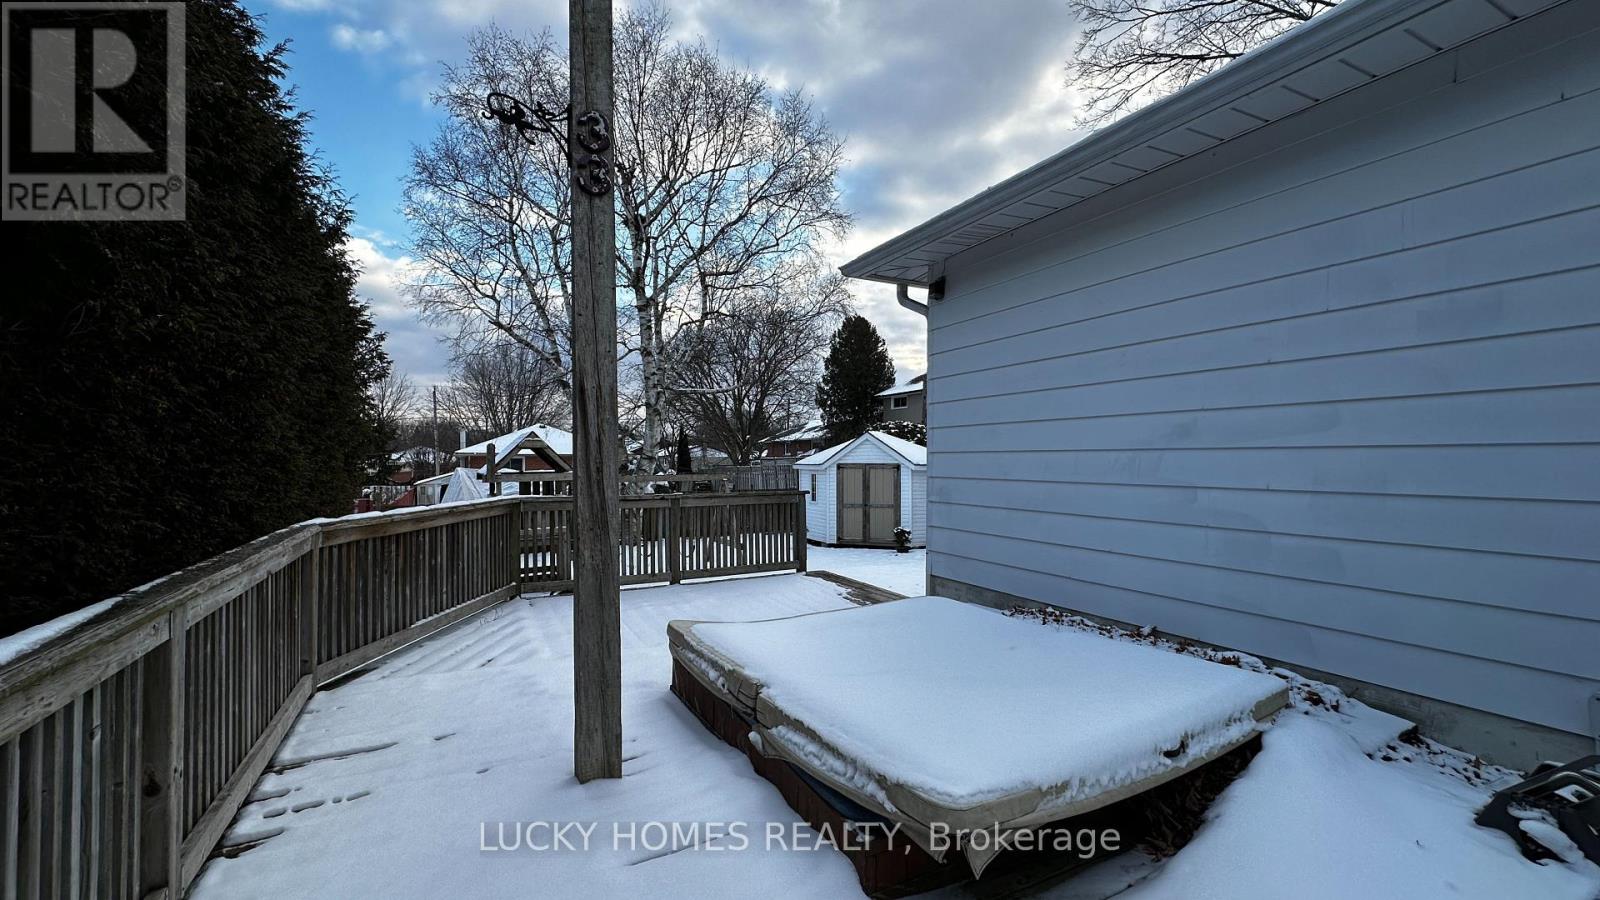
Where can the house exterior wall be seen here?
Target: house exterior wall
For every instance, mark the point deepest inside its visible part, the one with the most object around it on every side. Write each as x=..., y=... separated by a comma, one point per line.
x=822, y=522
x=915, y=409
x=1330, y=395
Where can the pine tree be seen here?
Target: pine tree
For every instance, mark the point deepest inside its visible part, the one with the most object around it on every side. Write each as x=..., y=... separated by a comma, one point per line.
x=173, y=389
x=857, y=368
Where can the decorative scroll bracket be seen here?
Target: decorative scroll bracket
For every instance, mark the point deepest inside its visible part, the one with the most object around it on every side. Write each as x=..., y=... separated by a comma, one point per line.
x=591, y=171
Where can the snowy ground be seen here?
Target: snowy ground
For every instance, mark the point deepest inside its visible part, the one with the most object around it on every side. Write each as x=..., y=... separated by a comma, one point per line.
x=1339, y=805
x=405, y=782
x=903, y=573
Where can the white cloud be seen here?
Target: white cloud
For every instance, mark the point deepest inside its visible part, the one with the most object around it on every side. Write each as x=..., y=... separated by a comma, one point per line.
x=937, y=99
x=366, y=41
x=416, y=347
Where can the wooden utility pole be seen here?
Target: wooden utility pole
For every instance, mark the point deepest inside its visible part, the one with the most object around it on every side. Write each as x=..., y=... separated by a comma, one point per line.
x=596, y=617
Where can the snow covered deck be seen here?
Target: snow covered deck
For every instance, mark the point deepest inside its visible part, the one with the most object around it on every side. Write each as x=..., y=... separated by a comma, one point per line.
x=431, y=774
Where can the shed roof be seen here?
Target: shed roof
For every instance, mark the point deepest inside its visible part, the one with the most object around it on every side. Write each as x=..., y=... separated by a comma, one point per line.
x=1356, y=42
x=915, y=454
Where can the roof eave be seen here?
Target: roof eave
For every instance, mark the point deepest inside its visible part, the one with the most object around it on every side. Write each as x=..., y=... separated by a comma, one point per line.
x=1344, y=24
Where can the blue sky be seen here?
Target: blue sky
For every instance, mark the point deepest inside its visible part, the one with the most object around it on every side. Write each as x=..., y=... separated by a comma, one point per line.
x=937, y=99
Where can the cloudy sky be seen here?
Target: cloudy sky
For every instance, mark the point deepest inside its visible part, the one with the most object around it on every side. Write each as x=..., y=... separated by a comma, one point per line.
x=937, y=99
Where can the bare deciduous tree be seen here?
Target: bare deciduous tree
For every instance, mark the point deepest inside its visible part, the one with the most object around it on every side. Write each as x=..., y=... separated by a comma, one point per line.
x=720, y=183
x=1133, y=51
x=491, y=214
x=739, y=376
x=502, y=386
x=722, y=186
x=395, y=399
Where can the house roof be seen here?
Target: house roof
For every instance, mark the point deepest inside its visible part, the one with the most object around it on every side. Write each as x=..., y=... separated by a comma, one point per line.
x=524, y=440
x=912, y=388
x=1352, y=44
x=915, y=454
x=807, y=432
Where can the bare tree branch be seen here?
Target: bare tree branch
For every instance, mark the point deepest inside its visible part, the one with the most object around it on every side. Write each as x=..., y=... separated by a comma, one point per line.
x=1132, y=51
x=395, y=399
x=721, y=185
x=502, y=386
x=751, y=372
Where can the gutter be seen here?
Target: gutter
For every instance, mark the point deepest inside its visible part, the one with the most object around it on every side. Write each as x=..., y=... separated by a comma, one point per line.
x=904, y=296
x=902, y=293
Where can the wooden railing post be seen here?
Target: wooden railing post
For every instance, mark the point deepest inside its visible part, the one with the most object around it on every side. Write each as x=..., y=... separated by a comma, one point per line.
x=514, y=551
x=674, y=565
x=161, y=705
x=800, y=532
x=310, y=609
x=491, y=472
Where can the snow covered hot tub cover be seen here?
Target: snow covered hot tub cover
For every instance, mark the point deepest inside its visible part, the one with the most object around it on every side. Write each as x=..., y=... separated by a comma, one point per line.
x=942, y=714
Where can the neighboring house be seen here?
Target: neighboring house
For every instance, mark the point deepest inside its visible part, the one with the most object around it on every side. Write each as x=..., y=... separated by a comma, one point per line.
x=906, y=402
x=707, y=457
x=401, y=471
x=408, y=463
x=802, y=441
x=536, y=448
x=860, y=491
x=1303, y=360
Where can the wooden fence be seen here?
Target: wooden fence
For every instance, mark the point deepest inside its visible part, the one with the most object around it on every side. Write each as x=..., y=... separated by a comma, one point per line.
x=560, y=483
x=128, y=743
x=672, y=537
x=763, y=475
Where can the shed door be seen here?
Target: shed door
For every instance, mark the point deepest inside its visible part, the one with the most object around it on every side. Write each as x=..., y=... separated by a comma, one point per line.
x=869, y=504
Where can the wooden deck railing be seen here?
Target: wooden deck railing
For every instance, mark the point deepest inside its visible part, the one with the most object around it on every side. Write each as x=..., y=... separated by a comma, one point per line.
x=673, y=537
x=128, y=743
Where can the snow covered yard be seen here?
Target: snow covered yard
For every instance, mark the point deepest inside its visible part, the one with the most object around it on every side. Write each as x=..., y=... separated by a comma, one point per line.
x=1341, y=802
x=393, y=784
x=903, y=573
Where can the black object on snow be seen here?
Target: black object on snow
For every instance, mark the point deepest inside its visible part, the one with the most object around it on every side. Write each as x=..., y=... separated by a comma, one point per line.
x=1569, y=794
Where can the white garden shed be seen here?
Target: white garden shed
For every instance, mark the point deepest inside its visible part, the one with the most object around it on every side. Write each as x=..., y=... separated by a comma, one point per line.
x=860, y=491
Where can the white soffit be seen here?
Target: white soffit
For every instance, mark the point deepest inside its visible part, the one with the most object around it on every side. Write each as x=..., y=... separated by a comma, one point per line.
x=1345, y=48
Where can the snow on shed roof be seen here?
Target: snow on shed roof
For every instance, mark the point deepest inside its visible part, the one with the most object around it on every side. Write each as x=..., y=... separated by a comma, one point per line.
x=915, y=454
x=1352, y=44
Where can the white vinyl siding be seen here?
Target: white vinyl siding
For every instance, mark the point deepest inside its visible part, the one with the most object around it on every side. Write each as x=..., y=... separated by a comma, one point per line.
x=1330, y=394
